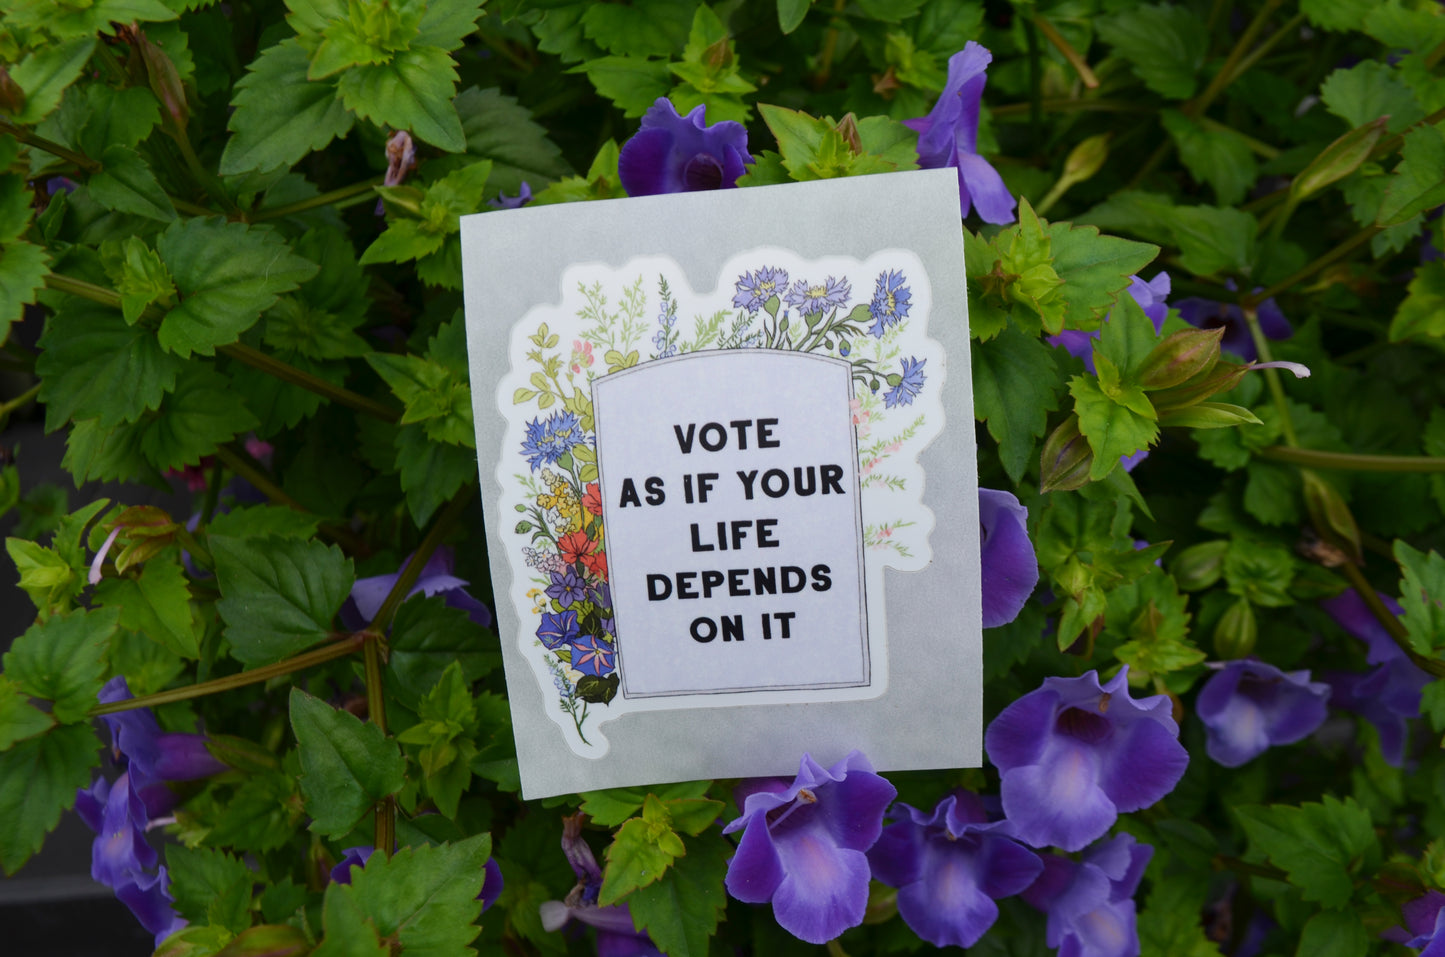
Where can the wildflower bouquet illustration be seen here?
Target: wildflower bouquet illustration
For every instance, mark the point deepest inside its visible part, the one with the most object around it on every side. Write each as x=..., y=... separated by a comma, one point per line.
x=609, y=321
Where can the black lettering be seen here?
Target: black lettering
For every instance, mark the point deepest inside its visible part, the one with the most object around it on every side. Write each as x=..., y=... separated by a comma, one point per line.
x=747, y=479
x=821, y=581
x=710, y=580
x=685, y=588
x=832, y=479
x=738, y=582
x=740, y=531
x=765, y=581
x=705, y=482
x=684, y=442
x=765, y=435
x=794, y=578
x=629, y=495
x=697, y=545
x=687, y=488
x=742, y=426
x=659, y=588
x=716, y=430
x=703, y=630
x=775, y=483
x=732, y=627
x=767, y=627
x=799, y=486
x=785, y=618
x=765, y=532
x=655, y=494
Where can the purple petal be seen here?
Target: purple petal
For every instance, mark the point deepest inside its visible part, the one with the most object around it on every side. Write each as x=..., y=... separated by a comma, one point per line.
x=1059, y=801
x=947, y=907
x=1018, y=735
x=184, y=757
x=756, y=869
x=674, y=154
x=1351, y=613
x=825, y=890
x=149, y=899
x=351, y=857
x=1142, y=764
x=1007, y=868
x=980, y=183
x=1107, y=931
x=90, y=804
x=492, y=883
x=1078, y=344
x=1248, y=706
x=1010, y=570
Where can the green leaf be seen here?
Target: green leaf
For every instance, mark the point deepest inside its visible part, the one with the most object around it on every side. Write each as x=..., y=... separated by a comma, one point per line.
x=210, y=886
x=641, y=28
x=1260, y=572
x=1423, y=311
x=435, y=395
x=426, y=637
x=259, y=521
x=1334, y=933
x=44, y=75
x=1367, y=91
x=144, y=280
x=431, y=472
x=642, y=850
x=19, y=719
x=1126, y=342
x=1213, y=240
x=157, y=604
x=62, y=660
x=633, y=83
x=403, y=240
x=94, y=366
x=1406, y=28
x=613, y=806
x=1422, y=585
x=280, y=115
x=1342, y=16
x=195, y=419
x=1416, y=184
x=1164, y=44
x=1220, y=157
x=1168, y=928
x=791, y=14
x=15, y=208
x=228, y=274
x=424, y=897
x=1095, y=270
x=1321, y=846
x=349, y=931
x=347, y=764
x=39, y=779
x=259, y=816
x=23, y=268
x=499, y=129
x=680, y=912
x=447, y=25
x=116, y=117
x=1015, y=386
x=1113, y=429
x=412, y=92
x=127, y=184
x=278, y=596
x=79, y=20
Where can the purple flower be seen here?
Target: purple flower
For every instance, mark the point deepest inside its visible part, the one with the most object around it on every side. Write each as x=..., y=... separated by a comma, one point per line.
x=359, y=855
x=1090, y=904
x=891, y=302
x=1075, y=754
x=908, y=386
x=1208, y=314
x=436, y=578
x=557, y=630
x=593, y=656
x=1389, y=696
x=149, y=898
x=803, y=845
x=548, y=441
x=1425, y=925
x=948, y=137
x=680, y=154
x=566, y=587
x=151, y=755
x=503, y=201
x=1010, y=571
x=815, y=297
x=1149, y=295
x=120, y=846
x=949, y=867
x=754, y=289
x=1249, y=706
x=617, y=936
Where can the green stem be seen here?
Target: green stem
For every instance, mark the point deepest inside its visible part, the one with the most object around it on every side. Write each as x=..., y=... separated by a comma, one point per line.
x=197, y=550
x=209, y=183
x=340, y=648
x=1070, y=105
x=384, y=837
x=335, y=196
x=257, y=359
x=213, y=493
x=1334, y=255
x=1391, y=624
x=409, y=574
x=1077, y=61
x=83, y=289
x=830, y=45
x=1247, y=64
x=1352, y=461
x=1271, y=376
x=7, y=407
x=50, y=146
x=1234, y=63
x=1258, y=147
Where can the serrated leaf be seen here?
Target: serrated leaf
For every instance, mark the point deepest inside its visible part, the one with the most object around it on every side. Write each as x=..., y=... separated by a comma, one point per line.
x=612, y=806
x=1339, y=15
x=349, y=931
x=23, y=268
x=44, y=75
x=144, y=280
x=116, y=117
x=227, y=274
x=259, y=521
x=210, y=886
x=62, y=660
x=15, y=208
x=1164, y=44
x=347, y=764
x=278, y=596
x=1220, y=157
x=426, y=637
x=1334, y=933
x=633, y=83
x=1422, y=586
x=642, y=28
x=498, y=128
x=1416, y=184
x=412, y=92
x=1367, y=91
x=127, y=184
x=83, y=20
x=280, y=115
x=19, y=719
x=1423, y=311
x=157, y=604
x=1113, y=430
x=1015, y=386
x=94, y=366
x=640, y=853
x=39, y=779
x=1126, y=342
x=197, y=417
x=1095, y=269
x=1318, y=845
x=681, y=911
x=431, y=472
x=260, y=815
x=1213, y=240
x=425, y=897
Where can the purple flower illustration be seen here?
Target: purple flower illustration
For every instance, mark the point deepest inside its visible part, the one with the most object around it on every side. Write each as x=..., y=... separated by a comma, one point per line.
x=1010, y=570
x=566, y=587
x=809, y=298
x=436, y=578
x=592, y=656
x=1149, y=295
x=1249, y=706
x=1389, y=696
x=754, y=289
x=891, y=301
x=909, y=385
x=949, y=867
x=803, y=845
x=948, y=137
x=548, y=441
x=1090, y=904
x=1208, y=314
x=617, y=936
x=1075, y=754
x=557, y=630
x=679, y=154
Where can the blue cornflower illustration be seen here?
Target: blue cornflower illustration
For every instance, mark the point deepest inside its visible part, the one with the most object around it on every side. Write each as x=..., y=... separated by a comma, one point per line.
x=891, y=301
x=815, y=297
x=754, y=289
x=547, y=441
x=908, y=386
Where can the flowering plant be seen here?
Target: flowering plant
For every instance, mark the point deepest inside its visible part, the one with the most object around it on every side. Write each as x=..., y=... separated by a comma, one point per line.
x=259, y=662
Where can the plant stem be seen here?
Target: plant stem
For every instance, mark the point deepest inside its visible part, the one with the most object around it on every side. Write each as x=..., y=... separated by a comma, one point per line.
x=257, y=359
x=1271, y=376
x=1391, y=624
x=209, y=183
x=213, y=493
x=198, y=551
x=83, y=289
x=340, y=648
x=412, y=571
x=1075, y=59
x=316, y=202
x=1259, y=52
x=7, y=407
x=1352, y=461
x=50, y=146
x=830, y=45
x=1070, y=105
x=1233, y=64
x=1334, y=255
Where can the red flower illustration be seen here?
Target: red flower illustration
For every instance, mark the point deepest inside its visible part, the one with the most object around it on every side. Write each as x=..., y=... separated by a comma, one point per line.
x=575, y=546
x=592, y=499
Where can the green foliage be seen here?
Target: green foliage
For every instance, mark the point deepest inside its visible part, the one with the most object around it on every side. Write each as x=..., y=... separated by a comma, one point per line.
x=61, y=660
x=347, y=766
x=38, y=781
x=1322, y=847
x=278, y=596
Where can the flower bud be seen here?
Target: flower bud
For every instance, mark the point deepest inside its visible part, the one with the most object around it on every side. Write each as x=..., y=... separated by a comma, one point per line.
x=1209, y=415
x=164, y=79
x=1087, y=158
x=1220, y=377
x=1200, y=566
x=848, y=129
x=1179, y=358
x=1330, y=515
x=145, y=531
x=1338, y=160
x=1066, y=459
x=1236, y=632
